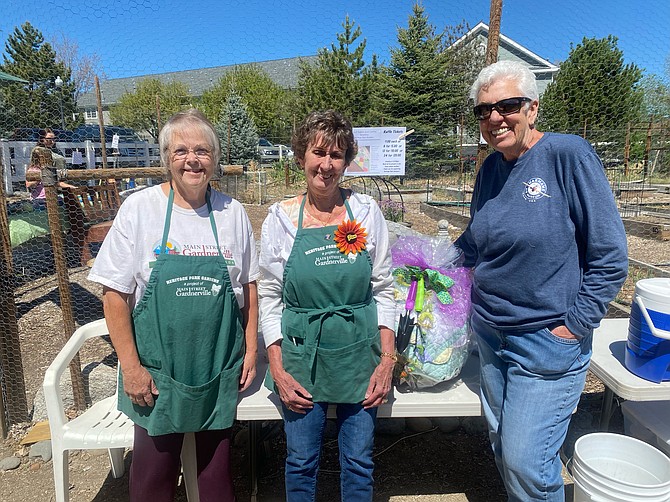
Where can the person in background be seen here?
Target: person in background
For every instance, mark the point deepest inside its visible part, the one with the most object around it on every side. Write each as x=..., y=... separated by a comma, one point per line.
x=327, y=311
x=549, y=252
x=178, y=270
x=47, y=139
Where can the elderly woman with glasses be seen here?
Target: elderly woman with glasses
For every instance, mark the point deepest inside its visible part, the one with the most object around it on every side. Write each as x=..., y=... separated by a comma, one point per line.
x=549, y=252
x=178, y=270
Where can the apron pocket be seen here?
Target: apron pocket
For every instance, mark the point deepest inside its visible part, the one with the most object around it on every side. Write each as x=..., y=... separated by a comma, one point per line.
x=343, y=374
x=187, y=408
x=151, y=363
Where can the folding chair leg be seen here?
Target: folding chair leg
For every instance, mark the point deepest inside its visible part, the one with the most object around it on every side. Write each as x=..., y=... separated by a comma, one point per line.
x=190, y=468
x=61, y=474
x=116, y=461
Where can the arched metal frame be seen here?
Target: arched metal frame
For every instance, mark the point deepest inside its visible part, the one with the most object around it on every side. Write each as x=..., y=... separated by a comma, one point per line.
x=388, y=185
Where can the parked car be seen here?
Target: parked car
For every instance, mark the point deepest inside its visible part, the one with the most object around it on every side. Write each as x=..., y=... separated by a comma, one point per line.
x=268, y=152
x=286, y=151
x=126, y=135
x=25, y=134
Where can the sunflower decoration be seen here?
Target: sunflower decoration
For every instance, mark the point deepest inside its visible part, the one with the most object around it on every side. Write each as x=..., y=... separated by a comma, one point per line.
x=350, y=237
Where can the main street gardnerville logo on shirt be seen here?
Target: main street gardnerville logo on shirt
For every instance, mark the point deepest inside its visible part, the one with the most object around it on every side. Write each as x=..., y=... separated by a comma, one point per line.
x=173, y=247
x=170, y=248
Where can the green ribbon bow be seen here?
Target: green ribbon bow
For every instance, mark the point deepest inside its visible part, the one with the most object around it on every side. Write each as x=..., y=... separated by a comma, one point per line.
x=433, y=279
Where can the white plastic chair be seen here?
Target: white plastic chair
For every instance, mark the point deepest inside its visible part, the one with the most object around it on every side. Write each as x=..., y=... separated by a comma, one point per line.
x=99, y=427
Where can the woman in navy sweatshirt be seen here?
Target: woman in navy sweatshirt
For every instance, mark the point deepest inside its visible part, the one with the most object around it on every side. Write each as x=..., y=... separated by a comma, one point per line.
x=549, y=252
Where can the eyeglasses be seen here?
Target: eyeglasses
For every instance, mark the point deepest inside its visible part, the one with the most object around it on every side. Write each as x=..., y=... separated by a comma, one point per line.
x=503, y=107
x=199, y=152
x=49, y=139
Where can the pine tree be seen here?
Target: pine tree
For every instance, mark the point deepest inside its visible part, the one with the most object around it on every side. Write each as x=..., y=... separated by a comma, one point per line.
x=265, y=101
x=38, y=103
x=425, y=88
x=340, y=78
x=594, y=91
x=237, y=132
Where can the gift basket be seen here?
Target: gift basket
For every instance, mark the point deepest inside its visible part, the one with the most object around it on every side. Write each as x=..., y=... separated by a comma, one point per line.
x=432, y=292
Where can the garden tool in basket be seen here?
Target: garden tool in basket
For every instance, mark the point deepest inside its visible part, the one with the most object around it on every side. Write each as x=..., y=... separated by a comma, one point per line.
x=406, y=323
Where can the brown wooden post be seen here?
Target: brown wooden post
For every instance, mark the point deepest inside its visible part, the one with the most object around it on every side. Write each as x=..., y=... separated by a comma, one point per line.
x=58, y=247
x=15, y=410
x=158, y=113
x=626, y=151
x=647, y=149
x=101, y=123
x=492, y=43
x=493, y=40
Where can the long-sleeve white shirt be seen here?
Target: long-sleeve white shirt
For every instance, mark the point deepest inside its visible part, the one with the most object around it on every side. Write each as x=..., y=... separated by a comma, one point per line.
x=277, y=237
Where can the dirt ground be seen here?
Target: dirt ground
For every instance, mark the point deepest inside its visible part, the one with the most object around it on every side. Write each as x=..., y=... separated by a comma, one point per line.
x=411, y=466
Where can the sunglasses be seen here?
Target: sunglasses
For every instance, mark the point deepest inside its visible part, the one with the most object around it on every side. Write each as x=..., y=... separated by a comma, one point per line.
x=503, y=107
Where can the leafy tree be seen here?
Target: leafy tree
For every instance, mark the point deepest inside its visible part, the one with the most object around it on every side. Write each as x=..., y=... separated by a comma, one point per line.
x=38, y=103
x=425, y=88
x=656, y=101
x=265, y=100
x=594, y=91
x=140, y=109
x=237, y=132
x=340, y=78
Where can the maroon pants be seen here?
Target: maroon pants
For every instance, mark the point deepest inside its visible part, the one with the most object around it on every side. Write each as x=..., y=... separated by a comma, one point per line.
x=155, y=466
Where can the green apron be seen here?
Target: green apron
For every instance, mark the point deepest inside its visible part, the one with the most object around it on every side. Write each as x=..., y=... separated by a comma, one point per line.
x=330, y=333
x=189, y=336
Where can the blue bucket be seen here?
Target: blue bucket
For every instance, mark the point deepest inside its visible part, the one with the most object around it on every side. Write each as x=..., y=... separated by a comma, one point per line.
x=648, y=344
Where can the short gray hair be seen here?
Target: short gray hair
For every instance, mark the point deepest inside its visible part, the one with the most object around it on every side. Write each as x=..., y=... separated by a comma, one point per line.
x=181, y=121
x=506, y=70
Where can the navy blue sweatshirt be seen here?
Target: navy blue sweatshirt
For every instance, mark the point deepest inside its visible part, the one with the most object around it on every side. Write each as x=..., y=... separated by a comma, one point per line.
x=545, y=238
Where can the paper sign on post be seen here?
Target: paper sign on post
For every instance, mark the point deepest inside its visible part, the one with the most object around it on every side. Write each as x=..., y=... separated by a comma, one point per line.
x=115, y=141
x=381, y=152
x=77, y=158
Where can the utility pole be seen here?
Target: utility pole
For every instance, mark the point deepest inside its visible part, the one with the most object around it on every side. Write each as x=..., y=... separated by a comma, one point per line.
x=492, y=44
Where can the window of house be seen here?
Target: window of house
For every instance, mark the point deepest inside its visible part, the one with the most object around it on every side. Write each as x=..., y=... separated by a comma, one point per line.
x=91, y=114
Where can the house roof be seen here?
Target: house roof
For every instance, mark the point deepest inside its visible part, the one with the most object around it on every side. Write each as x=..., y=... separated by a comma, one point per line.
x=283, y=72
x=508, y=49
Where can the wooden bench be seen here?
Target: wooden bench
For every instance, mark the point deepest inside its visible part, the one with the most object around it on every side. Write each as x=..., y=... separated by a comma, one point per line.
x=91, y=211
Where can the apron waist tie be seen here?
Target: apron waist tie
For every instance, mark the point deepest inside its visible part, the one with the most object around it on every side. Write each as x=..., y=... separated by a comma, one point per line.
x=344, y=311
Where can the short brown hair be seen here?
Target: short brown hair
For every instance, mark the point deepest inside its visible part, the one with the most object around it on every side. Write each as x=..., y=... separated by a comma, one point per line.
x=333, y=127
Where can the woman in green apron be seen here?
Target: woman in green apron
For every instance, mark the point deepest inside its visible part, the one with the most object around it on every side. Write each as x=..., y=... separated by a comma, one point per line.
x=327, y=310
x=179, y=268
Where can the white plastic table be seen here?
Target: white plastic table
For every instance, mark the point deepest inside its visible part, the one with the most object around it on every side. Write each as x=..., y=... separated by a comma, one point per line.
x=457, y=398
x=607, y=363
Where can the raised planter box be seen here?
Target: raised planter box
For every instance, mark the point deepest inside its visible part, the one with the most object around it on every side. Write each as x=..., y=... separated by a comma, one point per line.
x=649, y=230
x=447, y=211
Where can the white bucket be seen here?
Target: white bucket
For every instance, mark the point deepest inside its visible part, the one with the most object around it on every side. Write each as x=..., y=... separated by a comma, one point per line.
x=616, y=468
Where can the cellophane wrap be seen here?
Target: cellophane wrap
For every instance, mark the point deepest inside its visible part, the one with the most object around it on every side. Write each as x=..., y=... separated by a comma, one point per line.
x=440, y=341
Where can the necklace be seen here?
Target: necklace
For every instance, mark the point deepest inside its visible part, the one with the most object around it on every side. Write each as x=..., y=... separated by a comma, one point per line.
x=335, y=211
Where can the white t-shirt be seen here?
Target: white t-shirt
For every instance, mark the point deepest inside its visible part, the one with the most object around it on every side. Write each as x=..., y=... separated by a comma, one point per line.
x=134, y=240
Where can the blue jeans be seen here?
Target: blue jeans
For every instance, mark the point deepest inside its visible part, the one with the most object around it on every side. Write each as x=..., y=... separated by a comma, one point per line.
x=304, y=438
x=530, y=385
